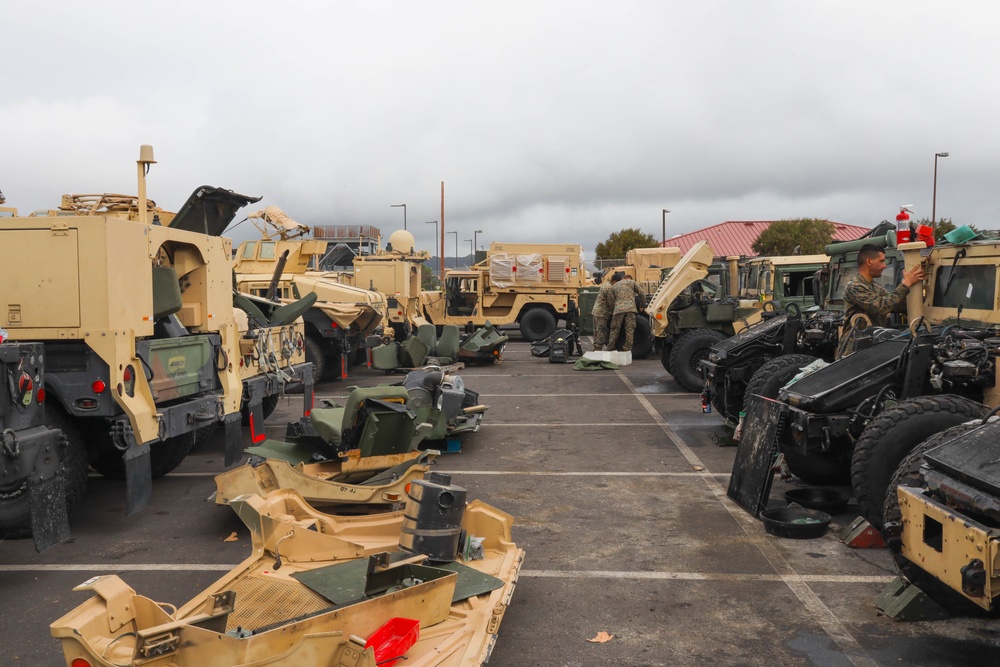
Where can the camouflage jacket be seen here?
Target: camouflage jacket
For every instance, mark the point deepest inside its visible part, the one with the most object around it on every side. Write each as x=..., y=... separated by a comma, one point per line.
x=605, y=303
x=625, y=292
x=873, y=300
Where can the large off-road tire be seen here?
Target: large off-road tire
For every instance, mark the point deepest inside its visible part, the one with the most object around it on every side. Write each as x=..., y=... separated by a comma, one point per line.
x=766, y=382
x=908, y=474
x=163, y=457
x=665, y=351
x=316, y=356
x=690, y=350
x=892, y=435
x=642, y=339
x=537, y=324
x=15, y=506
x=775, y=374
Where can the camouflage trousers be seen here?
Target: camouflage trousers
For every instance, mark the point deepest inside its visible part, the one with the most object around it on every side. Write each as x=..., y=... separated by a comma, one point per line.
x=620, y=319
x=600, y=332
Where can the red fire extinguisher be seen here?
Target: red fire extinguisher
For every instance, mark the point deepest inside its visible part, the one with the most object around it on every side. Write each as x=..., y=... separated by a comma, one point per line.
x=903, y=225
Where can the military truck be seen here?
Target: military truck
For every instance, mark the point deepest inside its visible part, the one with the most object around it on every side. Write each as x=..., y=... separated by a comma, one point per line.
x=689, y=314
x=141, y=347
x=344, y=318
x=775, y=345
x=395, y=271
x=858, y=417
x=532, y=284
x=646, y=266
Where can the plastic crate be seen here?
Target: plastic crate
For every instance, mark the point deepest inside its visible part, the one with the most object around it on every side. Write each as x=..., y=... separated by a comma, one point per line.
x=393, y=640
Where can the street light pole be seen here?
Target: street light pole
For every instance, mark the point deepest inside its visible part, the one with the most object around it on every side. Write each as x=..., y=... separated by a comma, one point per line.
x=404, y=212
x=475, y=243
x=456, y=248
x=437, y=242
x=473, y=248
x=934, y=202
x=665, y=211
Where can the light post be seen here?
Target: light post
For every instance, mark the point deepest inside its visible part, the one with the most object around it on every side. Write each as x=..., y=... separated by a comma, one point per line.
x=404, y=212
x=473, y=248
x=475, y=243
x=665, y=211
x=437, y=242
x=456, y=247
x=934, y=201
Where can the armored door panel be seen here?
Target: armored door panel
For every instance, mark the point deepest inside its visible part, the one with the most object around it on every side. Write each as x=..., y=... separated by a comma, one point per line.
x=40, y=273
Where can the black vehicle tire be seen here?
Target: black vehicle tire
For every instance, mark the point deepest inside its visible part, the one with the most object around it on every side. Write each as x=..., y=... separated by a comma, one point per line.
x=642, y=341
x=15, y=506
x=728, y=394
x=688, y=353
x=665, y=351
x=315, y=356
x=908, y=474
x=163, y=457
x=537, y=324
x=775, y=374
x=766, y=382
x=892, y=435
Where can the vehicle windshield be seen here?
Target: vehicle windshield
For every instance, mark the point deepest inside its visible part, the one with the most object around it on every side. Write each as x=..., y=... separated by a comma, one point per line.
x=965, y=285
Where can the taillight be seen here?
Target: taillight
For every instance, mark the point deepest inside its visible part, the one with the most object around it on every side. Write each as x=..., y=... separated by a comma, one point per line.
x=128, y=376
x=41, y=395
x=79, y=662
x=98, y=386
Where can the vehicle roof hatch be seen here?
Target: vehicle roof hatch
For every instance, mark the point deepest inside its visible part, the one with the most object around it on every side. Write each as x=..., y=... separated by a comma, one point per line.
x=209, y=210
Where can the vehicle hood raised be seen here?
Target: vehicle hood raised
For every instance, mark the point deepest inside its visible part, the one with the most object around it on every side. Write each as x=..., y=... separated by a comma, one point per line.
x=209, y=210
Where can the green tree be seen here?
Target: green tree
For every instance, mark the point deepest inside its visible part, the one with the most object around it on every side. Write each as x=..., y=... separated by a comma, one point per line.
x=621, y=242
x=428, y=281
x=809, y=235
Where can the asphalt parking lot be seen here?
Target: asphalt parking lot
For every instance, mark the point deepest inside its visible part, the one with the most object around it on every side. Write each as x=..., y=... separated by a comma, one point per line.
x=619, y=498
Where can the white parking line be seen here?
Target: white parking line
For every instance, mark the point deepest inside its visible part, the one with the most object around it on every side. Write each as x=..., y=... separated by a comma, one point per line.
x=533, y=473
x=837, y=631
x=705, y=576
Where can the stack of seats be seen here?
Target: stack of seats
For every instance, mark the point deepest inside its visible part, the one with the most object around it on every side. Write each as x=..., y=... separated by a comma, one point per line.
x=486, y=344
x=426, y=349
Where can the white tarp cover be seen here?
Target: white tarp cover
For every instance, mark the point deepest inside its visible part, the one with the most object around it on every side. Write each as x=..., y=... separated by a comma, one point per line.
x=502, y=270
x=530, y=269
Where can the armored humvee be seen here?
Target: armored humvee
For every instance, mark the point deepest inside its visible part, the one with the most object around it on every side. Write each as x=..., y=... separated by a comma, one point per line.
x=343, y=318
x=859, y=416
x=395, y=271
x=532, y=284
x=141, y=344
x=790, y=337
x=689, y=315
x=942, y=515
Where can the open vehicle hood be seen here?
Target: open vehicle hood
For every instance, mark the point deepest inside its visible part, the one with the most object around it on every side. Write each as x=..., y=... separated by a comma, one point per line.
x=209, y=210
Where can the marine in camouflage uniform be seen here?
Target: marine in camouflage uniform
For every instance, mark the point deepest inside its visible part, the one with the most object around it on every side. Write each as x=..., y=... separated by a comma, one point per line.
x=864, y=296
x=603, y=308
x=874, y=300
x=625, y=293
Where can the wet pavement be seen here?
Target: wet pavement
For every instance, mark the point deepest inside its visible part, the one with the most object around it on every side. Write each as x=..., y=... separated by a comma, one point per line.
x=619, y=495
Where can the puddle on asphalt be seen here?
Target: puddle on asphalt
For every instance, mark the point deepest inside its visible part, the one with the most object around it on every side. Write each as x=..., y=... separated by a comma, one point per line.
x=655, y=388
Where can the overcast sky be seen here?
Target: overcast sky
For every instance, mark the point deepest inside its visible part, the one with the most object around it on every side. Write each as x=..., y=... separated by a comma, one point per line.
x=547, y=121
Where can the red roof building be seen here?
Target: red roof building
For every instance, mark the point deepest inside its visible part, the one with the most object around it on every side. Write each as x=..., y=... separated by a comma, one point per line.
x=735, y=237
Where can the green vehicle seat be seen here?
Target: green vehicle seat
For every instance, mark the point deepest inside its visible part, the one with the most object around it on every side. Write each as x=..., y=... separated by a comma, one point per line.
x=375, y=420
x=166, y=292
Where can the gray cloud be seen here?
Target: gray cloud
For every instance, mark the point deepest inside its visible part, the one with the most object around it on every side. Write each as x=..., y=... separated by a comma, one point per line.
x=553, y=122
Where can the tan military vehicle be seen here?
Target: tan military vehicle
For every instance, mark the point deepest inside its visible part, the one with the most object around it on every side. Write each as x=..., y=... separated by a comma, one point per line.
x=689, y=315
x=532, y=284
x=646, y=266
x=425, y=587
x=395, y=271
x=343, y=317
x=142, y=347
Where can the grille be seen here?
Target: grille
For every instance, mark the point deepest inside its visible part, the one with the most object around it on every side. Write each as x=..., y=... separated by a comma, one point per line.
x=67, y=357
x=264, y=602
